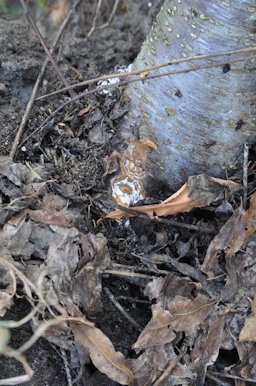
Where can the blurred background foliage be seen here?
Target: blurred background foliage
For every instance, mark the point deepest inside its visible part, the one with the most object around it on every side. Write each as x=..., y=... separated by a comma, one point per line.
x=14, y=8
x=10, y=7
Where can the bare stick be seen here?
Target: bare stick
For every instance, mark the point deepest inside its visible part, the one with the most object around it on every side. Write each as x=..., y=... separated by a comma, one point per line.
x=233, y=377
x=110, y=16
x=208, y=229
x=245, y=174
x=111, y=86
x=148, y=69
x=121, y=309
x=38, y=82
x=67, y=369
x=217, y=380
x=94, y=19
x=128, y=274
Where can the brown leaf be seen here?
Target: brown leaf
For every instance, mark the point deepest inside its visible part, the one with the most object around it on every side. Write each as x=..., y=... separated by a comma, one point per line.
x=210, y=348
x=111, y=163
x=229, y=239
x=248, y=332
x=250, y=218
x=103, y=354
x=178, y=202
x=43, y=217
x=157, y=331
x=84, y=110
x=187, y=314
x=64, y=130
x=206, y=189
x=165, y=289
x=198, y=191
x=152, y=363
x=87, y=280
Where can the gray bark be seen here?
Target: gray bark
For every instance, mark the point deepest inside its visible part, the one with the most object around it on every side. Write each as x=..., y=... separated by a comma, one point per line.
x=195, y=118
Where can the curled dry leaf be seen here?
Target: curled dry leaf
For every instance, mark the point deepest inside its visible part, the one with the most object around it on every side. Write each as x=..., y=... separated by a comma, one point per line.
x=238, y=230
x=209, y=350
x=248, y=332
x=84, y=110
x=103, y=354
x=157, y=331
x=152, y=363
x=187, y=314
x=229, y=239
x=198, y=191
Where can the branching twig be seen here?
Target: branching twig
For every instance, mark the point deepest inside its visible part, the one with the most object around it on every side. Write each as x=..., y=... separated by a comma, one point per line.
x=94, y=19
x=99, y=88
x=39, y=80
x=93, y=27
x=148, y=69
x=110, y=16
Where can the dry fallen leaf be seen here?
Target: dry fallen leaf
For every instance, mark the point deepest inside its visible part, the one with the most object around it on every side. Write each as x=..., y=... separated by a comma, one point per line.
x=250, y=218
x=102, y=353
x=187, y=314
x=179, y=202
x=151, y=365
x=248, y=332
x=197, y=192
x=209, y=348
x=229, y=239
x=84, y=110
x=111, y=163
x=157, y=331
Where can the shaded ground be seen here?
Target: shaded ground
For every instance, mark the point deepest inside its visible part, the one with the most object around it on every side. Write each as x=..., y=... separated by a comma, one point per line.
x=72, y=149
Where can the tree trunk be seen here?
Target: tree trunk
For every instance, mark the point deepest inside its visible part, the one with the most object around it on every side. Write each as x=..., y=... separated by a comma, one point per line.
x=201, y=119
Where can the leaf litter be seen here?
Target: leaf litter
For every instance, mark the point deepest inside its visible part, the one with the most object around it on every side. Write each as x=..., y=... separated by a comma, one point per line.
x=202, y=303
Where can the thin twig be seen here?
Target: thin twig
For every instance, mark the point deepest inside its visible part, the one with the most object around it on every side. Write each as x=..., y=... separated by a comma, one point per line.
x=208, y=229
x=67, y=369
x=232, y=377
x=148, y=69
x=94, y=19
x=39, y=80
x=121, y=309
x=19, y=323
x=45, y=326
x=42, y=41
x=110, y=16
x=122, y=297
x=217, y=380
x=128, y=274
x=245, y=174
x=99, y=88
x=139, y=269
